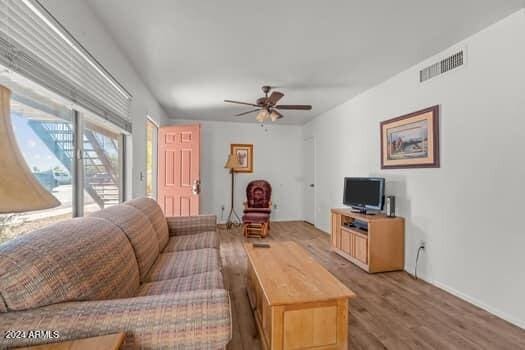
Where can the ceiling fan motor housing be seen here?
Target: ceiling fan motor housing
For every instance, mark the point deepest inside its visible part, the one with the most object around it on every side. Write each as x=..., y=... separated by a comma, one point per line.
x=266, y=89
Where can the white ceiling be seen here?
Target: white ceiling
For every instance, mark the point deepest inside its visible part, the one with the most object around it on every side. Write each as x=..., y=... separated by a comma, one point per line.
x=193, y=54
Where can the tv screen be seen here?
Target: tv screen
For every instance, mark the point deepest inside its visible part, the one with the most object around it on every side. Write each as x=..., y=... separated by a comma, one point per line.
x=364, y=192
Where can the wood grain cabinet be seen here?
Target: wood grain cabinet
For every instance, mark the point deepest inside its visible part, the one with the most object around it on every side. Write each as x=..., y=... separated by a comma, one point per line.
x=380, y=248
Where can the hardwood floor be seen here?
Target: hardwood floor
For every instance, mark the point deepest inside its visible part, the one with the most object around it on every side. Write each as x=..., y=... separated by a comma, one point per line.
x=391, y=310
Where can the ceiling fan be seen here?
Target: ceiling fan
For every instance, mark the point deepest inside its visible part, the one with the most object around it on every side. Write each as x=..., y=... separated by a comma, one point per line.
x=267, y=106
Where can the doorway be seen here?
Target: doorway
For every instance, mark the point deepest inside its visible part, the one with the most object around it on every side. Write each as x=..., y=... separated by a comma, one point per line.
x=178, y=183
x=309, y=180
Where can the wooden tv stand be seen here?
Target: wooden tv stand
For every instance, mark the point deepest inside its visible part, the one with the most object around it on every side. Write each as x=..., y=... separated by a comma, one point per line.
x=380, y=249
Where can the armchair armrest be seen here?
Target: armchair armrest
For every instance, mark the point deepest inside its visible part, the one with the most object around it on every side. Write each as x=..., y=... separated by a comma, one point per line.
x=196, y=320
x=188, y=225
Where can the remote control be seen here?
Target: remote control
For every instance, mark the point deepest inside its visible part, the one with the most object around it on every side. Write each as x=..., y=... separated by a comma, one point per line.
x=261, y=245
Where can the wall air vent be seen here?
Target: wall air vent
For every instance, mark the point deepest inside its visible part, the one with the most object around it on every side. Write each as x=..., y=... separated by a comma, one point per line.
x=443, y=66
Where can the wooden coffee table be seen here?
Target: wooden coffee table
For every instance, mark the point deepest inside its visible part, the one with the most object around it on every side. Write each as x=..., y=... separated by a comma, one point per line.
x=297, y=303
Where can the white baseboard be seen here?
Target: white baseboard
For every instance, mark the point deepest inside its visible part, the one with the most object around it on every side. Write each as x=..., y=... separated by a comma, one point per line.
x=471, y=300
x=480, y=304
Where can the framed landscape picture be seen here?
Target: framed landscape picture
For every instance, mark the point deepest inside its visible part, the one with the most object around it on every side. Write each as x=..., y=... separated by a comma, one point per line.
x=411, y=141
x=244, y=154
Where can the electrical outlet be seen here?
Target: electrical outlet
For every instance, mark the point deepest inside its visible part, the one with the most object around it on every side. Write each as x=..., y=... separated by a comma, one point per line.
x=422, y=244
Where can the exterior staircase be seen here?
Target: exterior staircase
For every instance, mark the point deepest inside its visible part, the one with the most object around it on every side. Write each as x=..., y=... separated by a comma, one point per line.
x=101, y=175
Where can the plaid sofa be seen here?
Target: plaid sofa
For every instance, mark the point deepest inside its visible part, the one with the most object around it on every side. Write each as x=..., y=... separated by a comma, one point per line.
x=123, y=269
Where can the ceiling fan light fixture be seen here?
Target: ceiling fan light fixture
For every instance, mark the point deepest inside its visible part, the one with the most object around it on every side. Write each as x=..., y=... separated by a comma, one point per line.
x=274, y=116
x=262, y=116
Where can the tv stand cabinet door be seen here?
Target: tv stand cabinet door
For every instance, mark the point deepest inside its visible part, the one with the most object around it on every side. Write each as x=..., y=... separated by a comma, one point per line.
x=347, y=242
x=361, y=249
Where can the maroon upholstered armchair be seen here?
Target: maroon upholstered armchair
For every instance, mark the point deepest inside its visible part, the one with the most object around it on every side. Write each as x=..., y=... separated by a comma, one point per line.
x=258, y=206
x=259, y=197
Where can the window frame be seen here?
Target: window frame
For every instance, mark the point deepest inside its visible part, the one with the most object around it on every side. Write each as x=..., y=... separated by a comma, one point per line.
x=154, y=160
x=77, y=168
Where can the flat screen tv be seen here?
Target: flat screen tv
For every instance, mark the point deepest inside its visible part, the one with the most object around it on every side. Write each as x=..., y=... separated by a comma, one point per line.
x=364, y=193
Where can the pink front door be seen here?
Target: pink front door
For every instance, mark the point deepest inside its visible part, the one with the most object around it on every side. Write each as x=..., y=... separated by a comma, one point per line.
x=179, y=169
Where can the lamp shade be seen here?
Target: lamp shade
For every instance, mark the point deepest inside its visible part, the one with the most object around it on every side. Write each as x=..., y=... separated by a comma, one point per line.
x=232, y=162
x=262, y=116
x=274, y=116
x=19, y=190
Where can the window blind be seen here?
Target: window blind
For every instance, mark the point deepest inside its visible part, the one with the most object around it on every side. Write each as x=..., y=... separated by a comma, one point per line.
x=34, y=44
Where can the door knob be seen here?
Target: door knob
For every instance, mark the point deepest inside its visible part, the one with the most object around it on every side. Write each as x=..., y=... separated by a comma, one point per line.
x=196, y=187
x=312, y=185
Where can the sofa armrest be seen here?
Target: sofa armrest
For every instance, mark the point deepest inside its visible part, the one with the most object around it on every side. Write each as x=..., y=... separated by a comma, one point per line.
x=188, y=225
x=197, y=320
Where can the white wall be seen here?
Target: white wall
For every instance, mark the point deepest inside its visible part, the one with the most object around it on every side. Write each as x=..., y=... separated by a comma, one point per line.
x=83, y=24
x=277, y=159
x=470, y=211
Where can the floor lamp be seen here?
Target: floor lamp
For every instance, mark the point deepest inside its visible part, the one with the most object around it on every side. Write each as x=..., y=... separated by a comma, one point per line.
x=233, y=218
x=19, y=189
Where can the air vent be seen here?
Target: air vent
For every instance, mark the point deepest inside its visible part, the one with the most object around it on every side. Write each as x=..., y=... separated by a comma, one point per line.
x=443, y=66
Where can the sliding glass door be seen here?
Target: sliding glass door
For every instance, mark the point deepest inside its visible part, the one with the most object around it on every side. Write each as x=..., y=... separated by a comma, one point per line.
x=84, y=174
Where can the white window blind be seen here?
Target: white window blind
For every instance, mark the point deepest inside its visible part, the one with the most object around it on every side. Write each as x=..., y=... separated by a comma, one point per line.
x=34, y=44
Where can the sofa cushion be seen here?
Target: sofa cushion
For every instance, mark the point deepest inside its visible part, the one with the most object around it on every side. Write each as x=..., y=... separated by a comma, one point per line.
x=190, y=320
x=184, y=263
x=152, y=210
x=139, y=231
x=198, y=281
x=77, y=259
x=189, y=225
x=195, y=241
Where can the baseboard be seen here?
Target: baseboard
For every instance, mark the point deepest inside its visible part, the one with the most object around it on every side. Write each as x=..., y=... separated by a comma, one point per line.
x=492, y=310
x=480, y=304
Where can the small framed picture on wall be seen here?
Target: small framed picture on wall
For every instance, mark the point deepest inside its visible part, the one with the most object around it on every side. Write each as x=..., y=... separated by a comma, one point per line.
x=244, y=154
x=411, y=141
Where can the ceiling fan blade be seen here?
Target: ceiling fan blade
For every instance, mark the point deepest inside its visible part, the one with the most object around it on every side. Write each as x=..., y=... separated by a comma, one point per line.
x=275, y=97
x=298, y=107
x=244, y=113
x=241, y=103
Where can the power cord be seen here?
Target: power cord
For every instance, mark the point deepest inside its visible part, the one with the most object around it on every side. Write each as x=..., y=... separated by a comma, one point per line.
x=421, y=247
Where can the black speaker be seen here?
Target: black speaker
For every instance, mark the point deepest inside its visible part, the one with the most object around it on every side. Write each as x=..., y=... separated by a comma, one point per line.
x=390, y=206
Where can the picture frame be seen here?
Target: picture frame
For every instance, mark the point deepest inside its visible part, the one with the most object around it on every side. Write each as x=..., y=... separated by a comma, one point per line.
x=244, y=154
x=411, y=140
